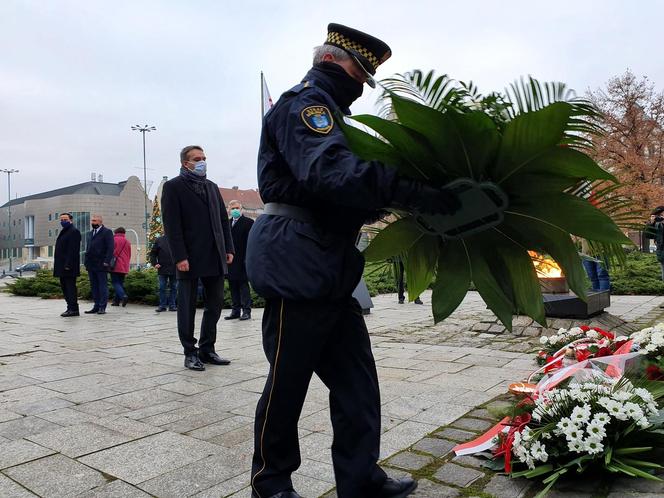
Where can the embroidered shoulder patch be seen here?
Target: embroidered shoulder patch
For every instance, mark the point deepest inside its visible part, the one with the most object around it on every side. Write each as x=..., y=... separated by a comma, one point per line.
x=318, y=118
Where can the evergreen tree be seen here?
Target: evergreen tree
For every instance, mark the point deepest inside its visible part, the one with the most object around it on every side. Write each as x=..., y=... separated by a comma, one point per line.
x=156, y=225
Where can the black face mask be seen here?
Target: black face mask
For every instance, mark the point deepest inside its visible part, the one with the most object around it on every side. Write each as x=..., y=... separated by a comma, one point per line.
x=346, y=88
x=94, y=226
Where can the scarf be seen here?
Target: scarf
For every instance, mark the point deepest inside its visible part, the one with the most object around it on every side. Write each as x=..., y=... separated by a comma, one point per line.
x=197, y=182
x=341, y=86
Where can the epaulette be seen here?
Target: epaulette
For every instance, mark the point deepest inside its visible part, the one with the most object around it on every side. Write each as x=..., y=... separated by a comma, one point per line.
x=298, y=88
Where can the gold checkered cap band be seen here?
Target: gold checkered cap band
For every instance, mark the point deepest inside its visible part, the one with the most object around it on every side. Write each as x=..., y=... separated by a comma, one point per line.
x=341, y=41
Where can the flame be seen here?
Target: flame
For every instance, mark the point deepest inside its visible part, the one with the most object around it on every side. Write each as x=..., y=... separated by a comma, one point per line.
x=545, y=267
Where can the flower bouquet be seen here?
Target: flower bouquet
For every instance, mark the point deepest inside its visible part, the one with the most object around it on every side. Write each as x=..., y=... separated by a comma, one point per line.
x=650, y=342
x=577, y=344
x=604, y=423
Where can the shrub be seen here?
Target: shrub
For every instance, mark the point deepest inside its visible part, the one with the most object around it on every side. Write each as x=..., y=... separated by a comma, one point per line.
x=642, y=275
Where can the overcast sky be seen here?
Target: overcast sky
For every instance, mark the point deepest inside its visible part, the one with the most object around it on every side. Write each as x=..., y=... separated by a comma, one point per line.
x=76, y=74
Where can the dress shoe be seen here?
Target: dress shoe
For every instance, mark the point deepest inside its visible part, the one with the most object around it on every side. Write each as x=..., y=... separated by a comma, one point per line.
x=92, y=311
x=401, y=300
x=160, y=309
x=70, y=313
x=115, y=303
x=418, y=301
x=193, y=362
x=101, y=312
x=397, y=488
x=213, y=358
x=232, y=316
x=125, y=300
x=172, y=309
x=245, y=316
x=282, y=494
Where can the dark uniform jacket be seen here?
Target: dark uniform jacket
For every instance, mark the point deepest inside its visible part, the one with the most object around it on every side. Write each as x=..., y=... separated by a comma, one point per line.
x=305, y=163
x=197, y=228
x=655, y=231
x=67, y=256
x=100, y=250
x=161, y=254
x=240, y=232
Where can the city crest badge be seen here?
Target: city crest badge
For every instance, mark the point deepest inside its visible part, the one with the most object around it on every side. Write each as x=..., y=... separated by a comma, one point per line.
x=318, y=118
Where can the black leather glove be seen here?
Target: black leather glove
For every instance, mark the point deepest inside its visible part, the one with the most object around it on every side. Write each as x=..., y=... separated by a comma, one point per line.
x=417, y=196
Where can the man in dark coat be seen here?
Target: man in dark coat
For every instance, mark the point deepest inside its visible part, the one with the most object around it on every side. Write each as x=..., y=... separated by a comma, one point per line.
x=100, y=245
x=237, y=272
x=162, y=259
x=67, y=262
x=302, y=258
x=199, y=236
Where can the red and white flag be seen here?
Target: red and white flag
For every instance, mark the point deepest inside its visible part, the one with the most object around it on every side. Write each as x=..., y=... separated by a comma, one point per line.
x=265, y=96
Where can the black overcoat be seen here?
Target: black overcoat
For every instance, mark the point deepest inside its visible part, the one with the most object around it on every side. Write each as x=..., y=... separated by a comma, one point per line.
x=197, y=229
x=240, y=232
x=161, y=254
x=67, y=255
x=100, y=250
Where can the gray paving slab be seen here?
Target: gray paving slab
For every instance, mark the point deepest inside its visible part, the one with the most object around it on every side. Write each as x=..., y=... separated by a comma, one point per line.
x=56, y=476
x=11, y=489
x=114, y=489
x=147, y=458
x=25, y=426
x=21, y=451
x=76, y=440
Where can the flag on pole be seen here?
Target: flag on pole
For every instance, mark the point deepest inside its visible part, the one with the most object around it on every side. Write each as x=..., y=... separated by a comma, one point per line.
x=266, y=100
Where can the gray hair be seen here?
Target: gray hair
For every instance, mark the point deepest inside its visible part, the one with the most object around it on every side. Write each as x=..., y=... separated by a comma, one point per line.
x=336, y=52
x=235, y=202
x=187, y=150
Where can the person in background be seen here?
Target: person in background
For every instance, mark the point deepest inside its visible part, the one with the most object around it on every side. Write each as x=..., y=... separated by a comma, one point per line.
x=596, y=269
x=98, y=262
x=67, y=262
x=401, y=286
x=162, y=259
x=122, y=255
x=237, y=272
x=199, y=235
x=655, y=230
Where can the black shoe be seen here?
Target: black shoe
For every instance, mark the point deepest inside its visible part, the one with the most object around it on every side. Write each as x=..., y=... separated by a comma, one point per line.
x=115, y=303
x=213, y=358
x=418, y=301
x=401, y=299
x=125, y=300
x=245, y=316
x=92, y=311
x=397, y=488
x=101, y=312
x=70, y=313
x=193, y=362
x=282, y=494
x=172, y=309
x=160, y=309
x=232, y=316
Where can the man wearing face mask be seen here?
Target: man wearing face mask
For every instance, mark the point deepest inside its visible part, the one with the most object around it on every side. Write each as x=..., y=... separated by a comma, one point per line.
x=302, y=259
x=237, y=272
x=67, y=262
x=98, y=256
x=198, y=233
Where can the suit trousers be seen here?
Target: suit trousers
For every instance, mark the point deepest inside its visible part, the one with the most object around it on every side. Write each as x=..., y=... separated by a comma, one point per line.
x=213, y=299
x=329, y=339
x=68, y=286
x=99, y=288
x=240, y=296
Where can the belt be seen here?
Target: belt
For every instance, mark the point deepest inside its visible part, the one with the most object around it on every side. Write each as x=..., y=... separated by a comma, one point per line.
x=289, y=211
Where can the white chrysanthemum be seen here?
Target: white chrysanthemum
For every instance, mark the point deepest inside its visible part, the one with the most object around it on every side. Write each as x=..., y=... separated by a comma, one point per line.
x=580, y=414
x=575, y=331
x=643, y=423
x=621, y=338
x=593, y=445
x=577, y=446
x=593, y=334
x=517, y=439
x=657, y=338
x=633, y=411
x=622, y=395
x=644, y=394
x=553, y=339
x=538, y=451
x=526, y=434
x=601, y=418
x=574, y=433
x=565, y=424
x=544, y=340
x=596, y=429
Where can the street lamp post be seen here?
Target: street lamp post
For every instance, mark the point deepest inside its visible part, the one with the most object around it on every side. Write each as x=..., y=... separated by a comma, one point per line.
x=145, y=129
x=9, y=209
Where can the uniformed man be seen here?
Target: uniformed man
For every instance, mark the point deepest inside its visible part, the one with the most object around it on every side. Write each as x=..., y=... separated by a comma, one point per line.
x=302, y=258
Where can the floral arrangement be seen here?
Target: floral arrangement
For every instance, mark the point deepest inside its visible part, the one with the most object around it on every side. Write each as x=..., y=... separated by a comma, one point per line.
x=602, y=422
x=650, y=342
x=577, y=343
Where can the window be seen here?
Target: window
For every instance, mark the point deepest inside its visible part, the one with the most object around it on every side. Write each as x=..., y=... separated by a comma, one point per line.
x=56, y=232
x=117, y=214
x=50, y=251
x=20, y=252
x=50, y=233
x=49, y=217
x=57, y=216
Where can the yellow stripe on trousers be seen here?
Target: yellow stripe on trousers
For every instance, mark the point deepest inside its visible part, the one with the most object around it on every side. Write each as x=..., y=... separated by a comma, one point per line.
x=269, y=399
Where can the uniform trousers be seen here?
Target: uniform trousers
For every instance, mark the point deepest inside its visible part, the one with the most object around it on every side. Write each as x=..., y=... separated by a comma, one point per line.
x=331, y=340
x=240, y=296
x=68, y=286
x=213, y=299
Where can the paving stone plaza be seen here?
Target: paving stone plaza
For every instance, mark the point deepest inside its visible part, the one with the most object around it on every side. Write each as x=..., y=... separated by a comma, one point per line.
x=101, y=406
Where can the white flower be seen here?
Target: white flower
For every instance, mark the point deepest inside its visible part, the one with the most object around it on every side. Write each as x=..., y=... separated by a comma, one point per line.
x=565, y=424
x=538, y=451
x=526, y=434
x=544, y=339
x=575, y=331
x=581, y=414
x=601, y=418
x=577, y=445
x=621, y=338
x=650, y=348
x=622, y=395
x=593, y=445
x=573, y=434
x=517, y=439
x=592, y=334
x=644, y=394
x=643, y=423
x=633, y=411
x=553, y=339
x=596, y=429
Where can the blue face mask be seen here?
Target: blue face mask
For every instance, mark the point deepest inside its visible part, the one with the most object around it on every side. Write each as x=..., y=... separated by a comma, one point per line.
x=65, y=224
x=235, y=213
x=200, y=168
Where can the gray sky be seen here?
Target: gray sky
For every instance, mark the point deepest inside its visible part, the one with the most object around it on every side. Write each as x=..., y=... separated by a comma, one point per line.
x=76, y=74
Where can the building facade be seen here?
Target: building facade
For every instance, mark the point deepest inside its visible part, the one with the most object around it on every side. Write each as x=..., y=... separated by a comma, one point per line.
x=35, y=219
